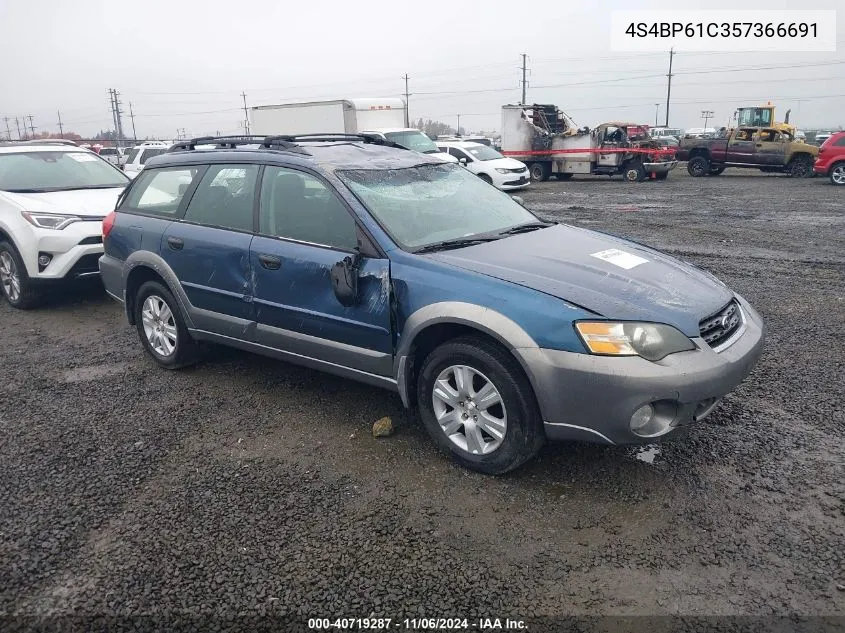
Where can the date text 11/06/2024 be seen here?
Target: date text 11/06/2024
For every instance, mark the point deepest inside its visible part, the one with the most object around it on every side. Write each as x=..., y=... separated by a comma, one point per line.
x=723, y=29
x=417, y=624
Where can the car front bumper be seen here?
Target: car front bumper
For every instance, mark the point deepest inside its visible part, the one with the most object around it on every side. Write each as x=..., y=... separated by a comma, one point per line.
x=662, y=167
x=509, y=182
x=592, y=398
x=73, y=251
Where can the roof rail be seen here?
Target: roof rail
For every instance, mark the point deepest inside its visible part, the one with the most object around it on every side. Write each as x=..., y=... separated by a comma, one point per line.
x=290, y=143
x=231, y=142
x=328, y=137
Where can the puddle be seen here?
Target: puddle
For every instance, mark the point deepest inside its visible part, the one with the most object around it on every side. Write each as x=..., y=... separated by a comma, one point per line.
x=92, y=372
x=646, y=453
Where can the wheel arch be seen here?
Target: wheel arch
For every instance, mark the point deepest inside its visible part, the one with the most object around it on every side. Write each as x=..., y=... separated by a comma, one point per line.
x=145, y=266
x=437, y=323
x=699, y=151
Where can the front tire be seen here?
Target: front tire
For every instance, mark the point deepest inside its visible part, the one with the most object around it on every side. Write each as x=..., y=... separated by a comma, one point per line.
x=478, y=406
x=634, y=172
x=17, y=286
x=837, y=174
x=161, y=327
x=698, y=166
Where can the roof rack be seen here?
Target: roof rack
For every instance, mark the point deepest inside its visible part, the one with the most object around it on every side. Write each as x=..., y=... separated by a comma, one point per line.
x=286, y=142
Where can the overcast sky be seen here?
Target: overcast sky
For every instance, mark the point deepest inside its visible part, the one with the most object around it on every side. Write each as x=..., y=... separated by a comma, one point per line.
x=184, y=63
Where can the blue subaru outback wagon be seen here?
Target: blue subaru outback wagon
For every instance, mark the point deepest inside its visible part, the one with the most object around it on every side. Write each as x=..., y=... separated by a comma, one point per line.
x=349, y=255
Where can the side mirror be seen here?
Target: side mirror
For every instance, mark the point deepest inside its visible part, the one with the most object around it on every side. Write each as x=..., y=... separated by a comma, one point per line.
x=518, y=200
x=463, y=161
x=344, y=276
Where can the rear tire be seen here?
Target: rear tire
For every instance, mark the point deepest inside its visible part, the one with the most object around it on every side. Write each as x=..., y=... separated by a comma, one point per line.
x=161, y=327
x=460, y=429
x=698, y=166
x=539, y=172
x=837, y=174
x=17, y=286
x=800, y=167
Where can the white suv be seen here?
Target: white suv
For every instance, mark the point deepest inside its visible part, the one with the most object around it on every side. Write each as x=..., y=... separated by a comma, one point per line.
x=140, y=154
x=488, y=164
x=53, y=198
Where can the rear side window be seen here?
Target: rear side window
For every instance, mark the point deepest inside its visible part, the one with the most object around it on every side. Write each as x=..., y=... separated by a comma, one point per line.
x=225, y=197
x=160, y=191
x=132, y=154
x=840, y=142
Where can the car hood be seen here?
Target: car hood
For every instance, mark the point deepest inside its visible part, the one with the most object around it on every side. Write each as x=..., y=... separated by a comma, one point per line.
x=503, y=163
x=447, y=158
x=92, y=202
x=561, y=261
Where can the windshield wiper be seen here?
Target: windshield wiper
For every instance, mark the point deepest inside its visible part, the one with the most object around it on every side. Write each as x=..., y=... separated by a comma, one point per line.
x=525, y=228
x=456, y=243
x=26, y=190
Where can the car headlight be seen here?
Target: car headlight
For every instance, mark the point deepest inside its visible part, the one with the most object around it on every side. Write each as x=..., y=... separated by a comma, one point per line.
x=651, y=341
x=49, y=220
x=503, y=171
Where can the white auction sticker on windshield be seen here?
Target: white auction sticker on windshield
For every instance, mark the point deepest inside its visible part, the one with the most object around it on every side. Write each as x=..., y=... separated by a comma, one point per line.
x=82, y=157
x=620, y=258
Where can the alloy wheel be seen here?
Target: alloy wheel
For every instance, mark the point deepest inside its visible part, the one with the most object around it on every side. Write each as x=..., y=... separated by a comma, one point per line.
x=159, y=325
x=837, y=175
x=470, y=409
x=9, y=277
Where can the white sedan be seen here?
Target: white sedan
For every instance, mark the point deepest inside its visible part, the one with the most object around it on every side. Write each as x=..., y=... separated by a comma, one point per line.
x=488, y=164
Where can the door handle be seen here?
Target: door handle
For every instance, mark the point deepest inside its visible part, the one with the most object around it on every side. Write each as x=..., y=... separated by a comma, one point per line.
x=270, y=262
x=175, y=243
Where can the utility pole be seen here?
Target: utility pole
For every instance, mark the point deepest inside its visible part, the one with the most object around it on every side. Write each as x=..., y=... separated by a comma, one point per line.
x=112, y=105
x=458, y=131
x=669, y=85
x=8, y=131
x=118, y=113
x=31, y=126
x=18, y=125
x=61, y=130
x=246, y=115
x=132, y=116
x=407, y=94
x=524, y=81
x=656, y=112
x=706, y=115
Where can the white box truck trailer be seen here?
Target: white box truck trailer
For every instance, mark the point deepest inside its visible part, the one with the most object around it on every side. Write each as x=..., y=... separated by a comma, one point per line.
x=342, y=116
x=383, y=117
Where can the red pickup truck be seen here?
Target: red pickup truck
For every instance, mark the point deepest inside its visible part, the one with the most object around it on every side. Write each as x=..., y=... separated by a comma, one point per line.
x=766, y=149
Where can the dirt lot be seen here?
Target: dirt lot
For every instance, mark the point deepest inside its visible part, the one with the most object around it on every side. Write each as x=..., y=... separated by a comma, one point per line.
x=246, y=486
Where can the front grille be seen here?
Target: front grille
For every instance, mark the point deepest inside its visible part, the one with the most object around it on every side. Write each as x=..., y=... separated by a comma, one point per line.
x=719, y=327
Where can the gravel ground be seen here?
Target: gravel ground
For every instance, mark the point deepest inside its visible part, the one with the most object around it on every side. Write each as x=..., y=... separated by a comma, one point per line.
x=248, y=487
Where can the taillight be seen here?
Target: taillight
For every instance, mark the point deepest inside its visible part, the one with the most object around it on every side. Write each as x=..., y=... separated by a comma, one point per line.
x=108, y=223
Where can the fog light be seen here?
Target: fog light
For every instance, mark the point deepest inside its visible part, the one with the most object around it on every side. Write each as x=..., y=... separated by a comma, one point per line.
x=44, y=260
x=642, y=417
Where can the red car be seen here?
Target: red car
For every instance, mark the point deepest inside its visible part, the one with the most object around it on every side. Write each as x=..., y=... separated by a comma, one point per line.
x=831, y=160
